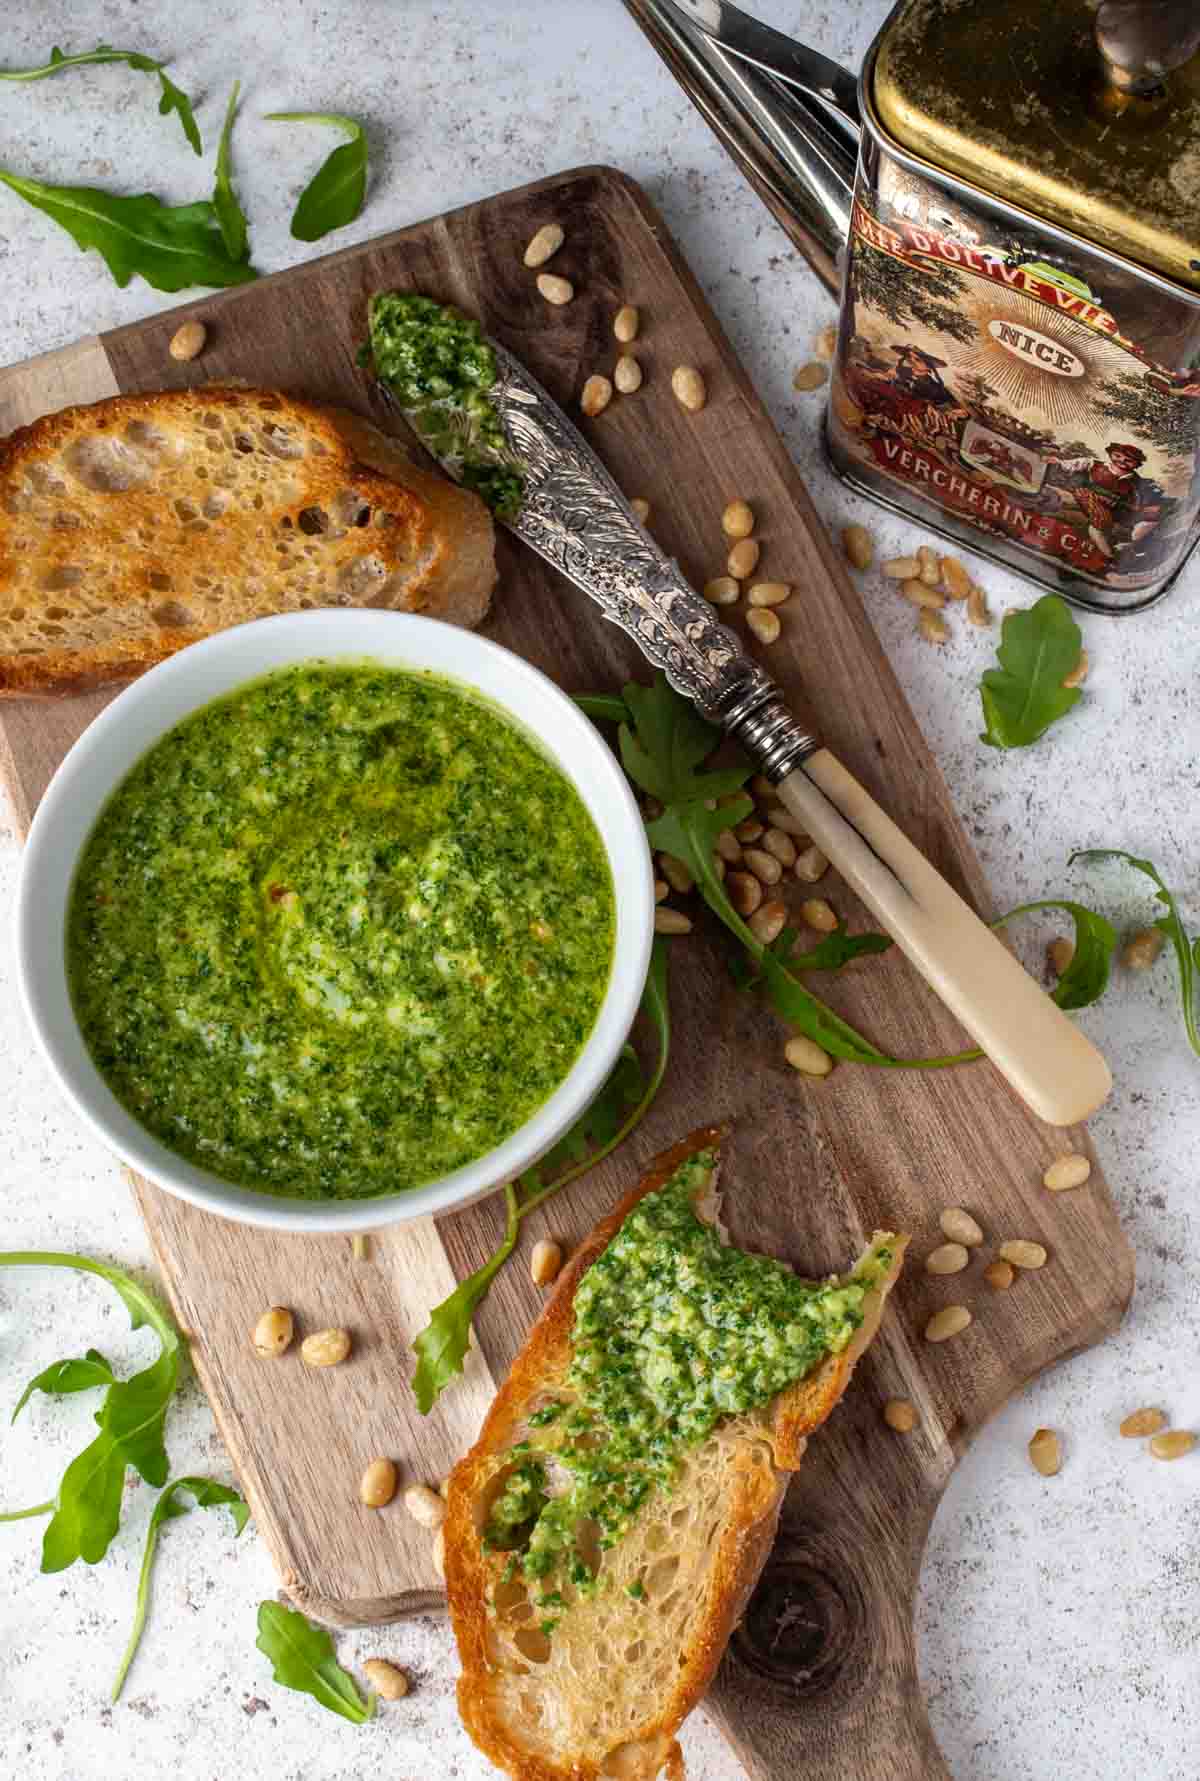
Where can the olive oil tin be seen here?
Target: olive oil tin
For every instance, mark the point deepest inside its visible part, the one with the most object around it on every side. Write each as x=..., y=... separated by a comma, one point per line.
x=1018, y=363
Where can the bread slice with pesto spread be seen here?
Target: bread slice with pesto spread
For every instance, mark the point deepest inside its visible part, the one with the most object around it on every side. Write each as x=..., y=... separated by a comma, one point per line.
x=605, y=1532
x=139, y=524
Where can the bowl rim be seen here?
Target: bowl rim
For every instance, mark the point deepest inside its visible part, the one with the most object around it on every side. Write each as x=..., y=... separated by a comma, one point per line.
x=161, y=699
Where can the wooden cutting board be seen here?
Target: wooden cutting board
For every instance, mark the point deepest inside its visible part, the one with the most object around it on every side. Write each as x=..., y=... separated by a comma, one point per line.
x=820, y=1679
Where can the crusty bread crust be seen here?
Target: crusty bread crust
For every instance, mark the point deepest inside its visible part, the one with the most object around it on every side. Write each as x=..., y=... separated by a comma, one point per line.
x=139, y=524
x=756, y=1495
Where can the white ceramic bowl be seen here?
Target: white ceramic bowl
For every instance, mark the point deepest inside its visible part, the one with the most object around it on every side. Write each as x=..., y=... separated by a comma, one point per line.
x=150, y=707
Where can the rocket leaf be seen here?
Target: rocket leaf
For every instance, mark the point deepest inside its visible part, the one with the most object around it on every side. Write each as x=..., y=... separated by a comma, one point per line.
x=170, y=246
x=1187, y=951
x=334, y=195
x=303, y=1658
x=1025, y=694
x=173, y=98
x=65, y=1376
x=230, y=215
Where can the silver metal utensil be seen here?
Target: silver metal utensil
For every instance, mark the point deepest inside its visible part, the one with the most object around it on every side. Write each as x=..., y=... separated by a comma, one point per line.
x=574, y=515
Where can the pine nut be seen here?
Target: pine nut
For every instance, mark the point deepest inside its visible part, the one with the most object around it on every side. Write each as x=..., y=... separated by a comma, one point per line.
x=809, y=377
x=662, y=890
x=932, y=627
x=554, y=289
x=781, y=846
x=977, y=608
x=378, y=1484
x=819, y=915
x=274, y=1331
x=389, y=1683
x=360, y=1244
x=1045, y=1452
x=1066, y=1172
x=626, y=323
x=1141, y=949
x=325, y=1348
x=438, y=1553
x=641, y=508
x=859, y=546
x=545, y=1261
x=928, y=572
x=627, y=374
x=947, y=1258
x=744, y=892
x=737, y=521
x=424, y=1505
x=901, y=568
x=761, y=788
x=676, y=873
x=765, y=866
x=766, y=924
x=1023, y=1254
x=597, y=394
x=728, y=798
x=769, y=593
x=825, y=344
x=960, y=1227
x=811, y=865
x=719, y=867
x=955, y=578
x=780, y=817
x=764, y=624
x=1059, y=954
x=187, y=342
x=743, y=558
x=805, y=1055
x=544, y=244
x=689, y=389
x=749, y=830
x=999, y=1276
x=729, y=847
x=444, y=1490
x=671, y=921
x=1143, y=1422
x=900, y=1415
x=722, y=590
x=950, y=1321
x=919, y=594
x=1079, y=672
x=1172, y=1445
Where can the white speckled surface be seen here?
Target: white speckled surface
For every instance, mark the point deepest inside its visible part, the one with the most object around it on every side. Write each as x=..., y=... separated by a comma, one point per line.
x=1058, y=1619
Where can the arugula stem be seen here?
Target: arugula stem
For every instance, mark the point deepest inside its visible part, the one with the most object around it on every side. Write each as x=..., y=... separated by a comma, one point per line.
x=24, y=1514
x=589, y=1162
x=141, y=1605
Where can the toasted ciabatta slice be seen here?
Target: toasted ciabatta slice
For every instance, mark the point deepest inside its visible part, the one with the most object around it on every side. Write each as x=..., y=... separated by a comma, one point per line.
x=139, y=524
x=604, y=1694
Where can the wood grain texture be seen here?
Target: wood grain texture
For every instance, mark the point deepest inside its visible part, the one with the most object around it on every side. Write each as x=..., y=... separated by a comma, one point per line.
x=820, y=1679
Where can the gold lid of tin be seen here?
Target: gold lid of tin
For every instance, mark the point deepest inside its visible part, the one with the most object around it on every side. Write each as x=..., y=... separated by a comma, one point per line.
x=1016, y=97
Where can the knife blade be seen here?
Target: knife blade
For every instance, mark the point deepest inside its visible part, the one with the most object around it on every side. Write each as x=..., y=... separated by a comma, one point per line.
x=573, y=514
x=772, y=51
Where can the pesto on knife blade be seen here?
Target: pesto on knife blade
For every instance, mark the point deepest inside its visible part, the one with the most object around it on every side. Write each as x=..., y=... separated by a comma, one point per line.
x=340, y=932
x=439, y=367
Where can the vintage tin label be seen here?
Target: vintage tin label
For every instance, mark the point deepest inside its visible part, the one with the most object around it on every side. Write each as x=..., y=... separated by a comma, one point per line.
x=1014, y=396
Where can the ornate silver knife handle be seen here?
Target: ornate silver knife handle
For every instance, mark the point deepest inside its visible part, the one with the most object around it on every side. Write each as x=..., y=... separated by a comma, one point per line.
x=574, y=515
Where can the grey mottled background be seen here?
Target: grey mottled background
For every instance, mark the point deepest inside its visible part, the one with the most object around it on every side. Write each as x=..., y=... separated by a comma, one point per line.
x=1057, y=1619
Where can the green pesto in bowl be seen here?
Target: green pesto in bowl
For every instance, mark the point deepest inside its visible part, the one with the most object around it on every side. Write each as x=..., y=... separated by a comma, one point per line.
x=340, y=933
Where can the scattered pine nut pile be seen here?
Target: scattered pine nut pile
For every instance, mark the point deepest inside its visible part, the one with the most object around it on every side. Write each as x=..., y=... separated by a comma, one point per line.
x=1014, y=1257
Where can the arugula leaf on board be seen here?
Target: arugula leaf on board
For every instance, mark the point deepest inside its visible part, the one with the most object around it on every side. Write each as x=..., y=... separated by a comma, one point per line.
x=303, y=1658
x=170, y=246
x=173, y=98
x=206, y=1493
x=620, y=1106
x=334, y=195
x=62, y=1377
x=1187, y=951
x=1025, y=694
x=838, y=949
x=87, y=1505
x=230, y=216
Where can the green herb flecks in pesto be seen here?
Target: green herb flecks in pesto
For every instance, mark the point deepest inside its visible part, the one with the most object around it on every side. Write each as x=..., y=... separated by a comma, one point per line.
x=673, y=1330
x=439, y=367
x=340, y=932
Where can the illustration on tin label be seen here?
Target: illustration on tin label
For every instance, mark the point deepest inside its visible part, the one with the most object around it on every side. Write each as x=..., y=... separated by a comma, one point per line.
x=1007, y=395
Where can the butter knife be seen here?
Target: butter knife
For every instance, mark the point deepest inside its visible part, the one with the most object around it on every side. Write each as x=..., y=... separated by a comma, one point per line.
x=574, y=515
